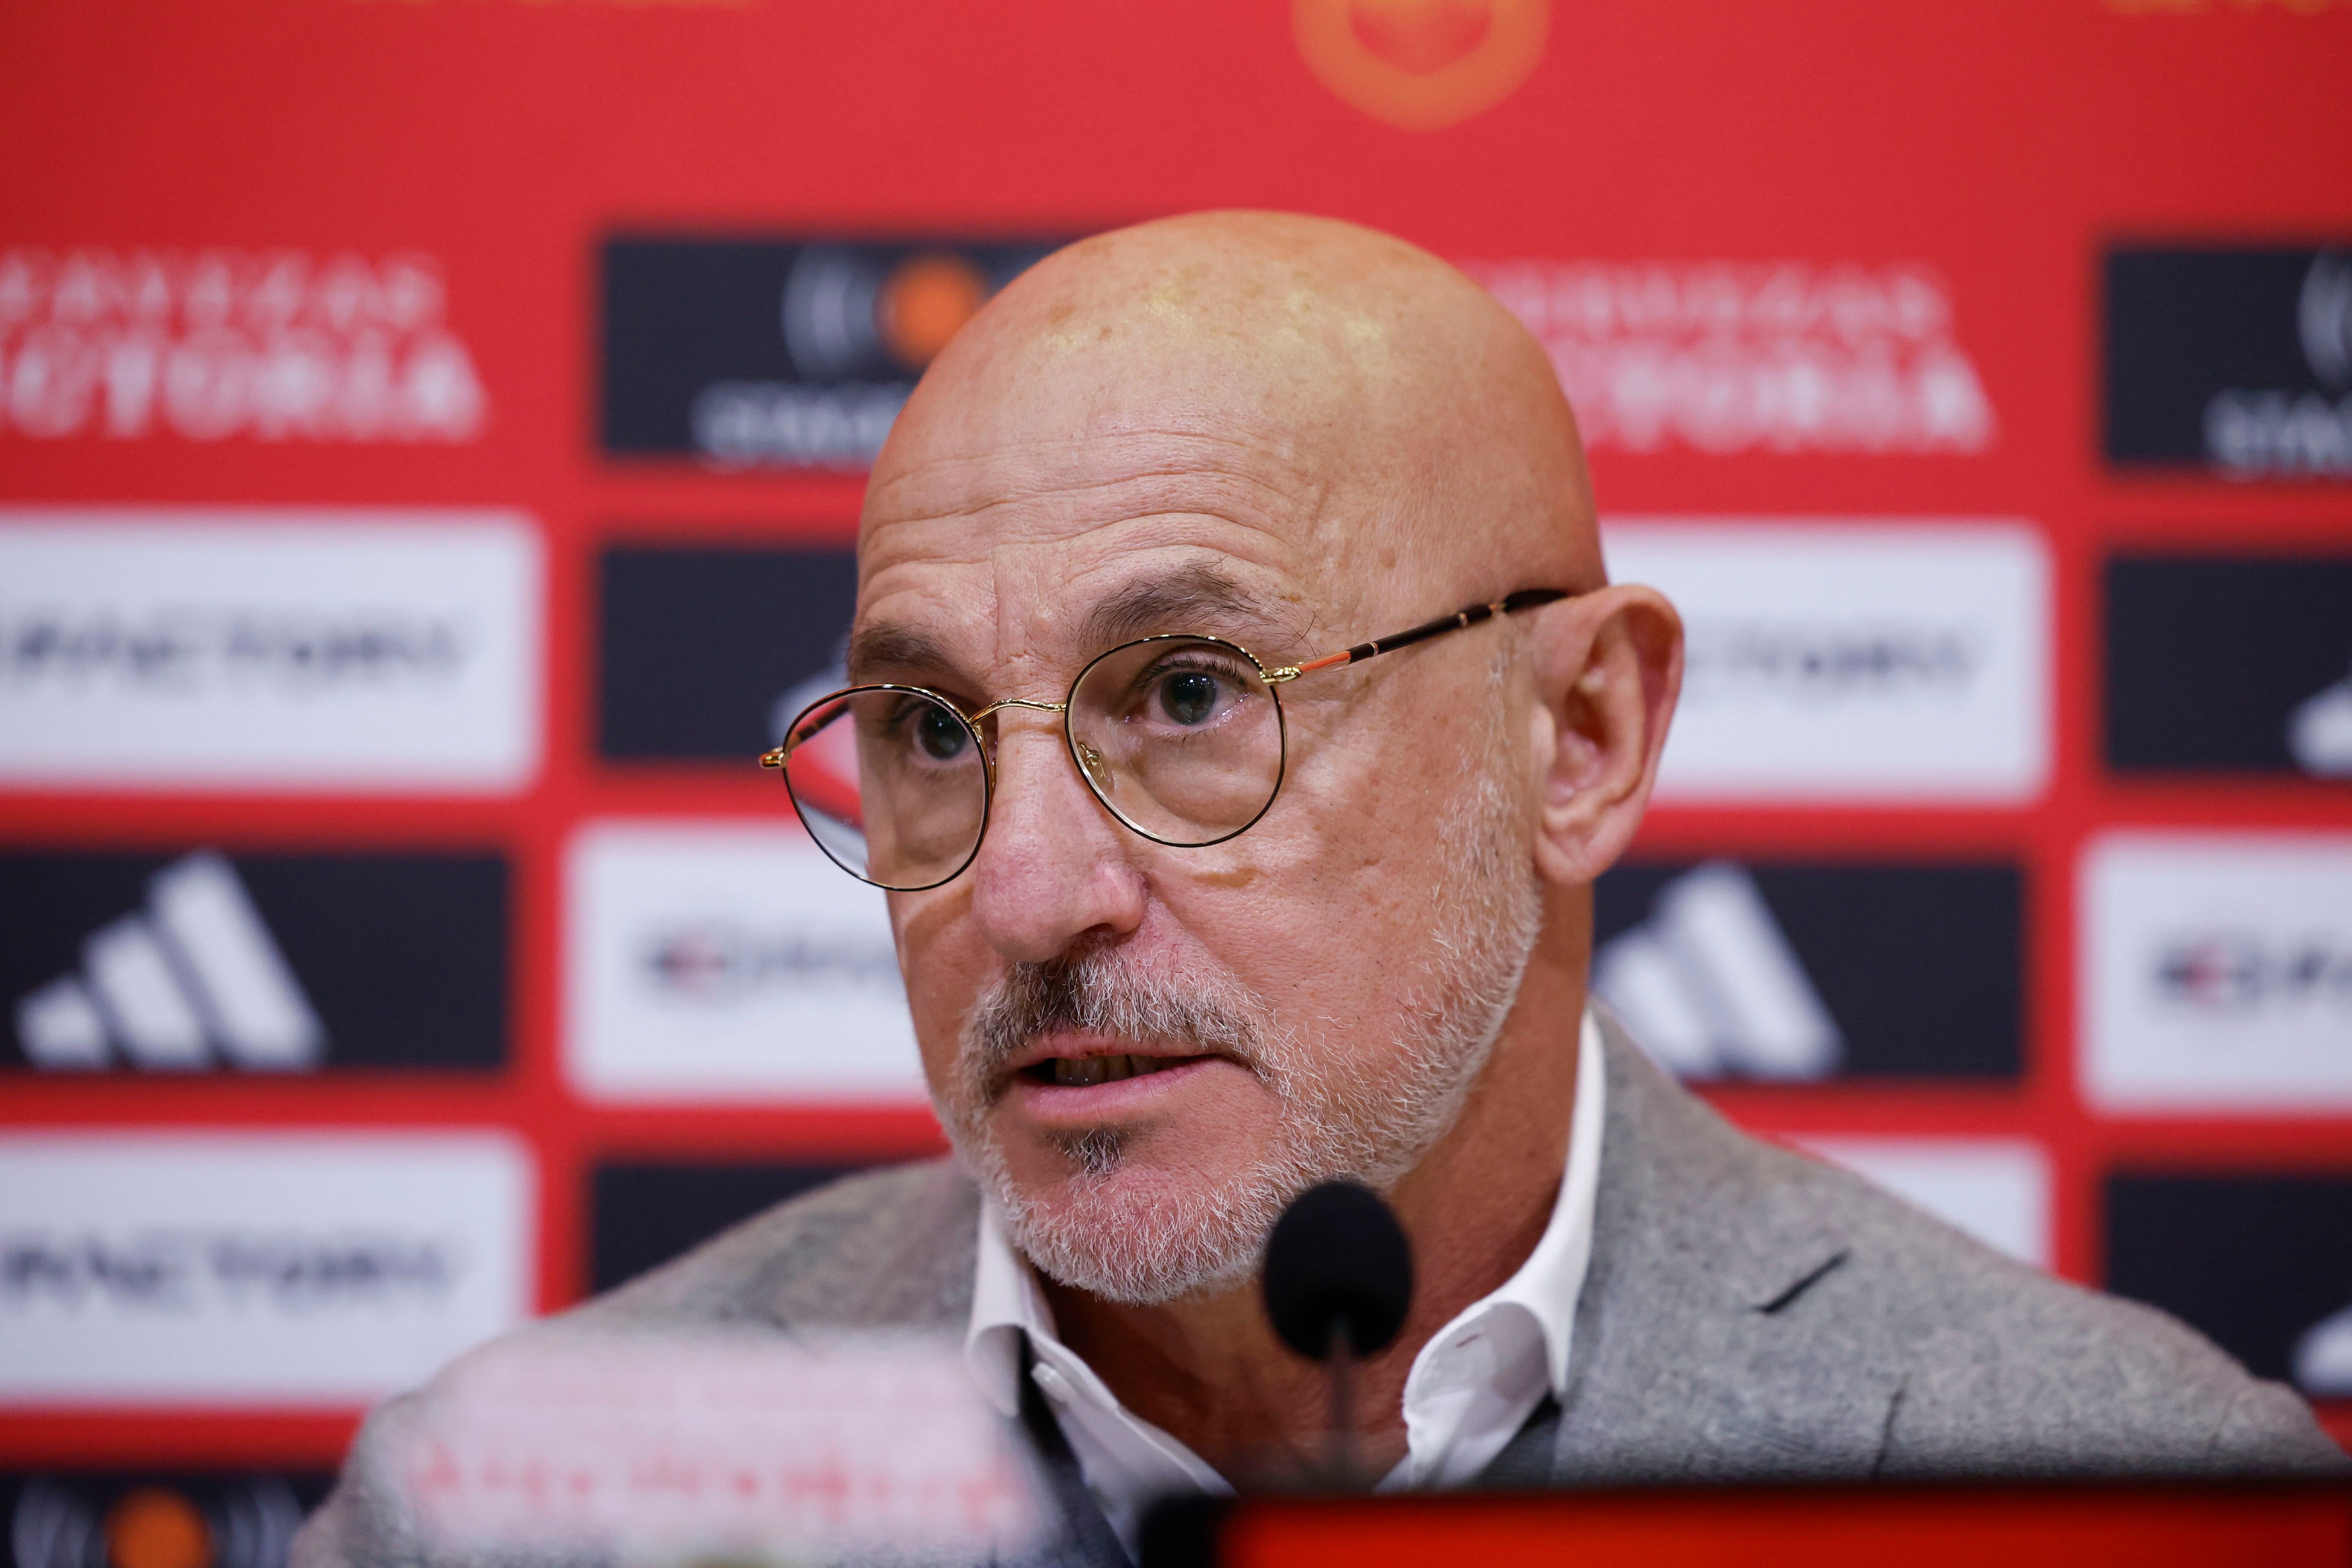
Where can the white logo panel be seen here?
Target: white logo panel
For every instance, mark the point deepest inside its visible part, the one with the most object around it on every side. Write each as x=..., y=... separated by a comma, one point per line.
x=2217, y=971
x=255, y=1268
x=729, y=961
x=1994, y=1189
x=1898, y=661
x=301, y=650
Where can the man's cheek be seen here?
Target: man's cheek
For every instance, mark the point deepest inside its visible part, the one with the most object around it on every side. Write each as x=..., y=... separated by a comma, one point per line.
x=940, y=995
x=942, y=974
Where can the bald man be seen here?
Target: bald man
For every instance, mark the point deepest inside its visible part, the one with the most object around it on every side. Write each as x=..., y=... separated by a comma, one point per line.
x=1207, y=886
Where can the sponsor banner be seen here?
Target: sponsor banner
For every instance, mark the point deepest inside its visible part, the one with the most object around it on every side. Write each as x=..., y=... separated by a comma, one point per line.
x=179, y=1521
x=781, y=352
x=1725, y=357
x=1906, y=663
x=1798, y=973
x=278, y=649
x=203, y=346
x=2216, y=972
x=705, y=655
x=2237, y=358
x=2262, y=1262
x=2230, y=664
x=254, y=1268
x=717, y=961
x=642, y=1213
x=1994, y=1189
x=261, y=962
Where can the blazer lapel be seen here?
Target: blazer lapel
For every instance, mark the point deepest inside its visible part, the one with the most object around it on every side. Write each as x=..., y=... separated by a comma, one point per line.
x=1694, y=1354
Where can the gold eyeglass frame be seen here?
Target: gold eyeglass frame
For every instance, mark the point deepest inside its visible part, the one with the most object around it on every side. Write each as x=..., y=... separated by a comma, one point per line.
x=1089, y=762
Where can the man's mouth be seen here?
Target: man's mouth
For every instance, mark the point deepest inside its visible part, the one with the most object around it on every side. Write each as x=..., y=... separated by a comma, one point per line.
x=1083, y=1059
x=1085, y=1072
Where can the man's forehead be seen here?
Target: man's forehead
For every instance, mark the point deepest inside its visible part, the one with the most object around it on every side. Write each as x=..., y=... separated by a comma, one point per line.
x=966, y=471
x=1046, y=547
x=965, y=618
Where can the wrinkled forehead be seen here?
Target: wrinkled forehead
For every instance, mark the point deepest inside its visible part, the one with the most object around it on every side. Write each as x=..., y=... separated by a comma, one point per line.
x=1235, y=434
x=987, y=561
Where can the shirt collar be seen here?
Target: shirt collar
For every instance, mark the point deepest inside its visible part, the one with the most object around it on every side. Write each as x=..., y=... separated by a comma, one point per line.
x=1548, y=1282
x=1006, y=1307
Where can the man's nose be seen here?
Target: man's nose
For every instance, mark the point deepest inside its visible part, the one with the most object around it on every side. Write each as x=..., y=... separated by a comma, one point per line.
x=1051, y=867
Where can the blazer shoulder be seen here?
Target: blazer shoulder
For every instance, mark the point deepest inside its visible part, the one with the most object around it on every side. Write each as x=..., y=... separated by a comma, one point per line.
x=1784, y=1303
x=887, y=1248
x=2006, y=1369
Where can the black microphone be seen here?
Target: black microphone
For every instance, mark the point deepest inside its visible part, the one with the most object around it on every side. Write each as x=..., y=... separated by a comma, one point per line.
x=1338, y=1281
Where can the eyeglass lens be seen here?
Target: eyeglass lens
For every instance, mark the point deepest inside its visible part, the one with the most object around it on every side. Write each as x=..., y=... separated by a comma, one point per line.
x=1178, y=737
x=890, y=784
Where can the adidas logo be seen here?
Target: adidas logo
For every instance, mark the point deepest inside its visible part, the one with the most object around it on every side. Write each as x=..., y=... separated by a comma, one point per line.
x=193, y=979
x=1711, y=988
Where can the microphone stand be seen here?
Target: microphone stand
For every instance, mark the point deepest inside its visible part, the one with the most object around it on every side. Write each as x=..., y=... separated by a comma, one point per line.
x=1339, y=1373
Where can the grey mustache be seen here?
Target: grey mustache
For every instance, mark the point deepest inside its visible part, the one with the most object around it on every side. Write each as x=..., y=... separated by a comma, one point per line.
x=1099, y=993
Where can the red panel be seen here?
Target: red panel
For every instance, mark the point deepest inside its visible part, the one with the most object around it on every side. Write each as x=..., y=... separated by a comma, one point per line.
x=1927, y=1529
x=2000, y=141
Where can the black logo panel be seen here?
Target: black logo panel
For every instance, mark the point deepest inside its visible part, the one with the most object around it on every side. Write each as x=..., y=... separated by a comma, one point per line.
x=643, y=1213
x=707, y=653
x=263, y=962
x=76, y=1520
x=2230, y=664
x=2261, y=1263
x=781, y=352
x=2238, y=359
x=1800, y=973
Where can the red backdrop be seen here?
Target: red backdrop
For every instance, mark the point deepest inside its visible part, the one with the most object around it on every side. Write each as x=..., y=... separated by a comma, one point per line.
x=2004, y=148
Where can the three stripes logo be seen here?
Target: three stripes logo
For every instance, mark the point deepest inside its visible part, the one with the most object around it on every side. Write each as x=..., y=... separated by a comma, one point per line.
x=1711, y=988
x=195, y=959
x=192, y=979
x=1794, y=972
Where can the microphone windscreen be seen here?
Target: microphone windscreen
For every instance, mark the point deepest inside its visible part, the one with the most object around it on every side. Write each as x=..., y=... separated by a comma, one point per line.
x=1338, y=1259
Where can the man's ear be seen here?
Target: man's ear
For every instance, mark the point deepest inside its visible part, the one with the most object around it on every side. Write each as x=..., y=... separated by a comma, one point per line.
x=1608, y=666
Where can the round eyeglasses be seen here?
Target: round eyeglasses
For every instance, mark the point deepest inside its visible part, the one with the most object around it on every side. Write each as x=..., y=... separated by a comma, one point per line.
x=1180, y=737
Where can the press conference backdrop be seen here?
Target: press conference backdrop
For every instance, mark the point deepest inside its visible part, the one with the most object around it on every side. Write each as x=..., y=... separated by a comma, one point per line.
x=431, y=434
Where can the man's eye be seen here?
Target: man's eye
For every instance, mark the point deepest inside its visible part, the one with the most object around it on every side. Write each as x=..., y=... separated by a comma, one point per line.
x=1189, y=696
x=939, y=735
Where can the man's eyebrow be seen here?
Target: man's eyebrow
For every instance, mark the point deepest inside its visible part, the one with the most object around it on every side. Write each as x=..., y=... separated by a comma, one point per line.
x=897, y=650
x=1196, y=597
x=1191, y=598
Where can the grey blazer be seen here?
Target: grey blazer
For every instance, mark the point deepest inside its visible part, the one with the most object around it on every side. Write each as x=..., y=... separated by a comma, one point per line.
x=1748, y=1314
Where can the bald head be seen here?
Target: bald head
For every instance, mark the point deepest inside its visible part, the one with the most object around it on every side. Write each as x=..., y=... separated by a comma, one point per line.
x=1245, y=434
x=1403, y=432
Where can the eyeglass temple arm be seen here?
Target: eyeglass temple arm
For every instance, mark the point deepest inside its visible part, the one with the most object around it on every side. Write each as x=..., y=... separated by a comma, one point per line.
x=1510, y=604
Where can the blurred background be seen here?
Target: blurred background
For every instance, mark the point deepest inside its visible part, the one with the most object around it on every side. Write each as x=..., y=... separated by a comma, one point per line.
x=431, y=437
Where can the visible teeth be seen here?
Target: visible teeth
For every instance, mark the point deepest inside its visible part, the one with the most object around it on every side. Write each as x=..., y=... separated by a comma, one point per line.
x=1081, y=1072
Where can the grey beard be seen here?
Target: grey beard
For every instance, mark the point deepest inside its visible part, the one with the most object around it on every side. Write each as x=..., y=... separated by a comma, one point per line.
x=1141, y=1236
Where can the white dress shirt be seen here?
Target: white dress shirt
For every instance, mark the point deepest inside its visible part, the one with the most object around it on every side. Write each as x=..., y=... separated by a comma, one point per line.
x=1471, y=1388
